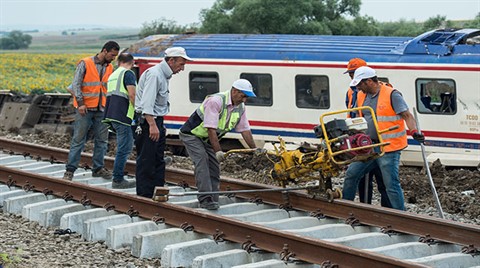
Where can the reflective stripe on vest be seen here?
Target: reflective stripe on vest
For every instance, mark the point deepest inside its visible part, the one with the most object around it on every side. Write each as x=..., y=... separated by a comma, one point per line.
x=114, y=88
x=118, y=99
x=94, y=89
x=386, y=118
x=224, y=124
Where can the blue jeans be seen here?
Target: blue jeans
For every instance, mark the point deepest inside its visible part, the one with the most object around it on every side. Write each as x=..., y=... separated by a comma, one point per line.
x=368, y=178
x=389, y=165
x=81, y=126
x=124, y=148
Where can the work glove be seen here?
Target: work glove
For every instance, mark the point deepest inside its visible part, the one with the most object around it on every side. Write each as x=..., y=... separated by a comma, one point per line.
x=418, y=136
x=220, y=156
x=260, y=151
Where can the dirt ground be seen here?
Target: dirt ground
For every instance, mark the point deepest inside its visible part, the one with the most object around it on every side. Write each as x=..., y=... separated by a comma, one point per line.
x=458, y=189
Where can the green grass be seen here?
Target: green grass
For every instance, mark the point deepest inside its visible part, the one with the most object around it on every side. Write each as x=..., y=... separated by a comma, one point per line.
x=85, y=41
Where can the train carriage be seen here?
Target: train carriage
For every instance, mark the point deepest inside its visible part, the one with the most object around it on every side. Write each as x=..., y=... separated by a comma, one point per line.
x=298, y=77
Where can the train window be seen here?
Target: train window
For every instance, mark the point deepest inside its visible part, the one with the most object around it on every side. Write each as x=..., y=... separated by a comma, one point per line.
x=262, y=86
x=312, y=91
x=202, y=84
x=436, y=96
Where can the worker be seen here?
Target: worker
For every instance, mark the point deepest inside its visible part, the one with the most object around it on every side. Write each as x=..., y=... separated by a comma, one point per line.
x=89, y=90
x=218, y=114
x=365, y=185
x=151, y=105
x=119, y=112
x=390, y=110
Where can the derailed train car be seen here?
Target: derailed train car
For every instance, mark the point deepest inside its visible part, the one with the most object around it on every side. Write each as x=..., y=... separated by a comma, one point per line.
x=299, y=77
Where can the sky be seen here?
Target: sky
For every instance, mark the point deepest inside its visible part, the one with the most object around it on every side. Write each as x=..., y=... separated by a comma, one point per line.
x=59, y=14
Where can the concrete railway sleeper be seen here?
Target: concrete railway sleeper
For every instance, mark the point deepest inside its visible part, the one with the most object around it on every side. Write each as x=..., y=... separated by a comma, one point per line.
x=250, y=230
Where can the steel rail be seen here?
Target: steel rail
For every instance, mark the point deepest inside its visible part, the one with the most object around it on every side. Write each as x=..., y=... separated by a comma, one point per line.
x=292, y=245
x=390, y=219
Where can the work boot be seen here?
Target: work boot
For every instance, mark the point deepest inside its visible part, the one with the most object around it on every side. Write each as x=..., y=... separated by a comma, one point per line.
x=209, y=204
x=123, y=184
x=68, y=175
x=102, y=172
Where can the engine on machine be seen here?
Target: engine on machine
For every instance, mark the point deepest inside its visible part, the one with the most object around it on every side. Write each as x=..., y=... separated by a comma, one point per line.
x=341, y=142
x=352, y=134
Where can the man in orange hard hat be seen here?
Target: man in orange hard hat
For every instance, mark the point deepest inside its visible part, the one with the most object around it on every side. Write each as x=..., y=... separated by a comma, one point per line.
x=364, y=193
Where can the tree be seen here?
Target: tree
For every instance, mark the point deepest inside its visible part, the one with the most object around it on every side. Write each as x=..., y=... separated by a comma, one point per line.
x=400, y=28
x=16, y=40
x=437, y=22
x=161, y=26
x=366, y=25
x=475, y=23
x=282, y=17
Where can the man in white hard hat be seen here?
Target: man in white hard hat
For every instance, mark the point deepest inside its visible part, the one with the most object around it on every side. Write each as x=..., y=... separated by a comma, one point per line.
x=151, y=105
x=391, y=110
x=218, y=114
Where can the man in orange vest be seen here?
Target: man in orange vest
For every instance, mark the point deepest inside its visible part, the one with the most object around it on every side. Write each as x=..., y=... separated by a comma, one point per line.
x=89, y=90
x=366, y=182
x=391, y=110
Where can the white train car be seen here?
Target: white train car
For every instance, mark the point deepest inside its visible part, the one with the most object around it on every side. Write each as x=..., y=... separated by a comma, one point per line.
x=298, y=77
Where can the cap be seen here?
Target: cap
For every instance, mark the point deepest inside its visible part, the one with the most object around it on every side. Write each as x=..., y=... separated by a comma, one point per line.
x=177, y=52
x=361, y=73
x=244, y=86
x=354, y=64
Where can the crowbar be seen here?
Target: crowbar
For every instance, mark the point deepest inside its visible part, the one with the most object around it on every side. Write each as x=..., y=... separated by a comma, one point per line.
x=161, y=193
x=424, y=155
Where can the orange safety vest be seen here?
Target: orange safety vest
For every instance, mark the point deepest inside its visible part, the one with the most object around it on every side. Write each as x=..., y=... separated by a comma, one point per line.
x=386, y=117
x=94, y=89
x=350, y=94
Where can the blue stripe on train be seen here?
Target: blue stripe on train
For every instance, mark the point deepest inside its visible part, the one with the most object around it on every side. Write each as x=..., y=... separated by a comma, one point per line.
x=448, y=144
x=282, y=133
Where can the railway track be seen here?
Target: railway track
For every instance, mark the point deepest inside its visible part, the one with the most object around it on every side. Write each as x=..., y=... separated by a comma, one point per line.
x=293, y=227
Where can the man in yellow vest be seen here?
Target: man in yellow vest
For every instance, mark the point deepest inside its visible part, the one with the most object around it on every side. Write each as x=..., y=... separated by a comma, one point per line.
x=391, y=110
x=365, y=185
x=119, y=113
x=89, y=89
x=218, y=114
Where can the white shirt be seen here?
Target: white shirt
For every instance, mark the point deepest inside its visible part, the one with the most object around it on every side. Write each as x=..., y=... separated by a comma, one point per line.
x=152, y=93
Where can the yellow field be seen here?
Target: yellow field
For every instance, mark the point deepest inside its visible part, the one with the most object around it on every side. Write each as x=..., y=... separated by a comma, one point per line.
x=27, y=72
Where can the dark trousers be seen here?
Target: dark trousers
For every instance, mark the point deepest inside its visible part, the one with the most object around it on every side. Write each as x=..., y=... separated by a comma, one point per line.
x=368, y=178
x=150, y=169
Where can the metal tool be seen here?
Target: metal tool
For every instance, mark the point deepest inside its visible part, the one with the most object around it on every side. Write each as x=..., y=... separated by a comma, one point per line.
x=241, y=191
x=161, y=194
x=341, y=142
x=424, y=155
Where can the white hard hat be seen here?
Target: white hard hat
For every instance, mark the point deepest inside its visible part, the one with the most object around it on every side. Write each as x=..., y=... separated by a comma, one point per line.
x=361, y=73
x=245, y=86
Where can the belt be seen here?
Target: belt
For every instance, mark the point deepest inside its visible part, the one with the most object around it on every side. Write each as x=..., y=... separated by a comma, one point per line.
x=141, y=114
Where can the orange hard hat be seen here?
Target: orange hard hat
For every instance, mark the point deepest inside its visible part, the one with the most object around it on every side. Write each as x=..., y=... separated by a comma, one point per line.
x=354, y=64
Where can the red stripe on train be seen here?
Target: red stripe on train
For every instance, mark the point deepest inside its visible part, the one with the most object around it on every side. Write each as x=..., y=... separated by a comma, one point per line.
x=320, y=65
x=309, y=127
